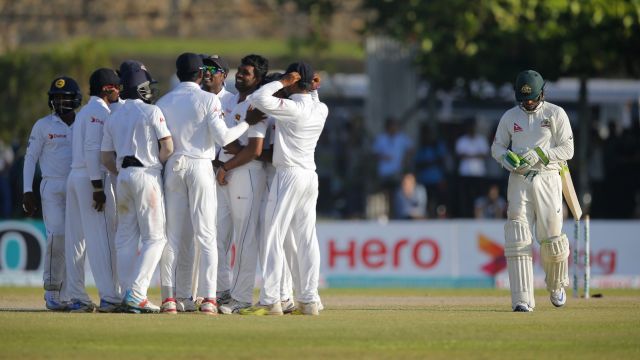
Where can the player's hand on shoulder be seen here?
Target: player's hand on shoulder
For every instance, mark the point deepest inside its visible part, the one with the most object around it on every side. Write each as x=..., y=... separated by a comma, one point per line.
x=254, y=116
x=29, y=203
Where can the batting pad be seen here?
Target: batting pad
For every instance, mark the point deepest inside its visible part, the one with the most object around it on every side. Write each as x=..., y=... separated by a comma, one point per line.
x=517, y=250
x=555, y=260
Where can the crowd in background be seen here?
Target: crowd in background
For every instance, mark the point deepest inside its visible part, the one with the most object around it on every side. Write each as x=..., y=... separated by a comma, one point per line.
x=446, y=171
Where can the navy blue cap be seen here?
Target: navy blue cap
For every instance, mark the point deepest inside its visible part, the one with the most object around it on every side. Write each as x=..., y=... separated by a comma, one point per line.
x=188, y=63
x=305, y=70
x=133, y=73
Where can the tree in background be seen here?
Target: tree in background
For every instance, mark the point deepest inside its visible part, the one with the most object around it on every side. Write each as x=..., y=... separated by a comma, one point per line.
x=458, y=41
x=27, y=77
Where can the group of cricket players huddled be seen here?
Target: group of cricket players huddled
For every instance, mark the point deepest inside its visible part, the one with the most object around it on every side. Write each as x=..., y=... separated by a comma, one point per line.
x=205, y=184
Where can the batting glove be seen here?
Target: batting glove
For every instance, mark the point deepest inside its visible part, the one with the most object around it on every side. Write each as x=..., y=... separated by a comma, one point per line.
x=511, y=161
x=532, y=157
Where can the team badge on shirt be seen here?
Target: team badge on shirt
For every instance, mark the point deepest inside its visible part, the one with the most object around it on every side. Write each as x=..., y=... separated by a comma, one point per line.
x=546, y=123
x=516, y=128
x=96, y=120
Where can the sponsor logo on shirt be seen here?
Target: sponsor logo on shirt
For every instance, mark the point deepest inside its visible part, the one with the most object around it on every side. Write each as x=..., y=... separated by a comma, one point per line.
x=56, y=136
x=96, y=120
x=516, y=128
x=546, y=123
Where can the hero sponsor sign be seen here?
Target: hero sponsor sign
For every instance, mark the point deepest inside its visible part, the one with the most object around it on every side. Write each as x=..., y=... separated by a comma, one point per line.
x=456, y=253
x=422, y=253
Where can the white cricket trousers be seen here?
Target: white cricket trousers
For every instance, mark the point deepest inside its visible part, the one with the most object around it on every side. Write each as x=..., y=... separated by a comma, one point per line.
x=53, y=193
x=286, y=284
x=537, y=202
x=141, y=218
x=237, y=219
x=292, y=205
x=191, y=211
x=90, y=232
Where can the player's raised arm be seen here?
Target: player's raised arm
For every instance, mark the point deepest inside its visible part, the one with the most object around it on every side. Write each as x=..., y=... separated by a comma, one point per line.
x=282, y=109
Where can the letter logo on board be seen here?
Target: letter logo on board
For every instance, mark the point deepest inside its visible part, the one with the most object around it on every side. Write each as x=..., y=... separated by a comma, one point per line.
x=21, y=246
x=496, y=251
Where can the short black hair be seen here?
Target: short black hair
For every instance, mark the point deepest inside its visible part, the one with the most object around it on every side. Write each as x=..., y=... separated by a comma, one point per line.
x=191, y=76
x=259, y=63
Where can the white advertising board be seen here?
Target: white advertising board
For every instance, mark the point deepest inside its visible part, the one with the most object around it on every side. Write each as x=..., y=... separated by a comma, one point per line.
x=453, y=253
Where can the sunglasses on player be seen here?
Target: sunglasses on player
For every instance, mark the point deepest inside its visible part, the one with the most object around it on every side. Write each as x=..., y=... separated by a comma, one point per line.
x=212, y=69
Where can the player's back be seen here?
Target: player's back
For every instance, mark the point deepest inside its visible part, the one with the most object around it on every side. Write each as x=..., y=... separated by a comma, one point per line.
x=133, y=134
x=296, y=139
x=187, y=110
x=90, y=116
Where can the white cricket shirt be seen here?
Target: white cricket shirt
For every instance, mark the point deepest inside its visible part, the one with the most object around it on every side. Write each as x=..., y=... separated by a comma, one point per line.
x=87, y=137
x=299, y=123
x=236, y=116
x=134, y=130
x=227, y=99
x=547, y=127
x=50, y=145
x=194, y=118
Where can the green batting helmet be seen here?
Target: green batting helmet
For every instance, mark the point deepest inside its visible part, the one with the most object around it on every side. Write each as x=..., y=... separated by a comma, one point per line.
x=529, y=85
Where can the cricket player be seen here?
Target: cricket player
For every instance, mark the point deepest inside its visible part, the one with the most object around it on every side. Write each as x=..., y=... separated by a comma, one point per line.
x=294, y=192
x=532, y=140
x=130, y=149
x=289, y=263
x=194, y=117
x=188, y=271
x=241, y=180
x=50, y=146
x=91, y=214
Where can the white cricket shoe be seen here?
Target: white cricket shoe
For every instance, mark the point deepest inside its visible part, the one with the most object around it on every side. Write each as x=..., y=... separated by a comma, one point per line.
x=169, y=306
x=185, y=305
x=310, y=308
x=233, y=307
x=522, y=307
x=558, y=297
x=288, y=306
x=209, y=307
x=132, y=304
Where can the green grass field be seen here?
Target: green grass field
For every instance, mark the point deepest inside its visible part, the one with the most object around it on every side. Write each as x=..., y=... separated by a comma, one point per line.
x=367, y=324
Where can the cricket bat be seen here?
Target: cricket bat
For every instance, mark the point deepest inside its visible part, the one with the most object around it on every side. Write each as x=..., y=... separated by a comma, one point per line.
x=569, y=192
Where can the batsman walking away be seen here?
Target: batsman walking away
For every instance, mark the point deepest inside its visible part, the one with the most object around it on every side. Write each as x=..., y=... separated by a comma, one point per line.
x=532, y=142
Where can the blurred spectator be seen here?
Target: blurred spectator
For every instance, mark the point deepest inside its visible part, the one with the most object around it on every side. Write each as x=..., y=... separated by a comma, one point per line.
x=430, y=168
x=472, y=150
x=392, y=149
x=410, y=199
x=492, y=205
x=6, y=160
